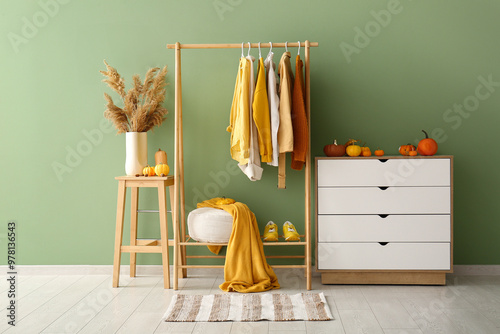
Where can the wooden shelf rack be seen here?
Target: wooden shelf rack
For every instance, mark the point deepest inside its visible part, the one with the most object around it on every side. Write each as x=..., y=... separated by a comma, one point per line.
x=181, y=239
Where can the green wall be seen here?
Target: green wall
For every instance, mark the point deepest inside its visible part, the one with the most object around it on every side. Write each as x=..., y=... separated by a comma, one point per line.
x=400, y=74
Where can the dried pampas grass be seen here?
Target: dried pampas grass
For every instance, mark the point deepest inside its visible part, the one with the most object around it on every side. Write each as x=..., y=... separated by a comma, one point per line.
x=142, y=108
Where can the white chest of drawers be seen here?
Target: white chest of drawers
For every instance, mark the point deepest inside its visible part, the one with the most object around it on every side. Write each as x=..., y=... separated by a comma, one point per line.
x=384, y=221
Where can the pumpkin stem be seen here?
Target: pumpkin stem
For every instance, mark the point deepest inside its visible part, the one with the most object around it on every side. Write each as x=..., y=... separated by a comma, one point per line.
x=335, y=142
x=426, y=135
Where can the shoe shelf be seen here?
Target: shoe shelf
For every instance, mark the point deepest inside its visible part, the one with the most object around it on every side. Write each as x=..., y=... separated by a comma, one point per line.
x=191, y=242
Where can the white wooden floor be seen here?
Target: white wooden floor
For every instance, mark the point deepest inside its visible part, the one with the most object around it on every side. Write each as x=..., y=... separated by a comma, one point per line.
x=88, y=304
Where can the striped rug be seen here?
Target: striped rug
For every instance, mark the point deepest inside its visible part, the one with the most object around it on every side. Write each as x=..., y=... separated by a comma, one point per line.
x=248, y=307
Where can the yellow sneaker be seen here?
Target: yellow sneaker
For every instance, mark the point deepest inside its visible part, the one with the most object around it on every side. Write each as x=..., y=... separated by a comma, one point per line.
x=271, y=232
x=289, y=232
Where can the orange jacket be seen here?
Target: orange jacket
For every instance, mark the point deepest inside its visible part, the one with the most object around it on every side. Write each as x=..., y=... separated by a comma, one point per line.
x=299, y=119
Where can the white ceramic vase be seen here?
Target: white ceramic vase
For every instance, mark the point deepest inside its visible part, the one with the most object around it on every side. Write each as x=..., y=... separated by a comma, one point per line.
x=136, y=152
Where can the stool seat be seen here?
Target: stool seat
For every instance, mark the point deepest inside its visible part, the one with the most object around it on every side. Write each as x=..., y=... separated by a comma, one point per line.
x=142, y=245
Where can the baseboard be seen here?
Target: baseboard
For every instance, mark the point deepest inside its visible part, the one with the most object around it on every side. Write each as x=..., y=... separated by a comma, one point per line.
x=142, y=270
x=476, y=269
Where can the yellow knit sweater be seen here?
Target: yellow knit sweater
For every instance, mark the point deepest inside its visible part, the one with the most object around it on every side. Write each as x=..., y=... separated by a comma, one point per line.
x=240, y=114
x=261, y=115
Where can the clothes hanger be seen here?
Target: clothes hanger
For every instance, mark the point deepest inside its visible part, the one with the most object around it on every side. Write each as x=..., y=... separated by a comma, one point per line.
x=298, y=52
x=286, y=46
x=249, y=48
x=260, y=55
x=242, y=54
x=270, y=50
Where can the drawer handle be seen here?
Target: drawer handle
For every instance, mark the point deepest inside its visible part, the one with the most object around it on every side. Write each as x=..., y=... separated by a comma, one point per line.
x=383, y=188
x=382, y=160
x=383, y=243
x=383, y=216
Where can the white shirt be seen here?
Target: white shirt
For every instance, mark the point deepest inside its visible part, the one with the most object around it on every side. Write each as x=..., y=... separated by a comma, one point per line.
x=274, y=104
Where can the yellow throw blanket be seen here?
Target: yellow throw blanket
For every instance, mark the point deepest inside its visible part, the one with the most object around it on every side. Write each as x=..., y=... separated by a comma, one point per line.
x=246, y=268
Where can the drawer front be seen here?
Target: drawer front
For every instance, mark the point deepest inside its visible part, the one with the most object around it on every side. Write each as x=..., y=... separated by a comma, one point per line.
x=373, y=228
x=392, y=256
x=393, y=200
x=393, y=172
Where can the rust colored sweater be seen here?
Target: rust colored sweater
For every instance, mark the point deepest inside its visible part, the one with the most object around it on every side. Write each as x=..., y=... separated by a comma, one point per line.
x=299, y=119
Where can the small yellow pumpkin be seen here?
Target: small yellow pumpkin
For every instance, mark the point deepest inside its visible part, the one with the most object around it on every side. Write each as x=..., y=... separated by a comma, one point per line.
x=224, y=201
x=148, y=171
x=353, y=150
x=162, y=169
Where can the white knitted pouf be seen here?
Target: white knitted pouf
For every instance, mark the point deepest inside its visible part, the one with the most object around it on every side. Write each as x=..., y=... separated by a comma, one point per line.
x=210, y=225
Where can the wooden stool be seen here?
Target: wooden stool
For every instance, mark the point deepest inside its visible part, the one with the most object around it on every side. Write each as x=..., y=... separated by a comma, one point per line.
x=142, y=245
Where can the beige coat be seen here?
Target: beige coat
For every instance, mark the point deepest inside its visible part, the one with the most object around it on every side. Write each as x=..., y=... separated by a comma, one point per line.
x=285, y=131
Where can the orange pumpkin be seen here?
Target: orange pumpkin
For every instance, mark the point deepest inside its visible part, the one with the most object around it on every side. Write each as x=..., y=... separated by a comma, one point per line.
x=405, y=149
x=412, y=153
x=378, y=152
x=148, y=171
x=334, y=150
x=427, y=146
x=365, y=151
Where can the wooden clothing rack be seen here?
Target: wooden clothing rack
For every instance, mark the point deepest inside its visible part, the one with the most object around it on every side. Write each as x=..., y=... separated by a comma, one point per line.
x=181, y=240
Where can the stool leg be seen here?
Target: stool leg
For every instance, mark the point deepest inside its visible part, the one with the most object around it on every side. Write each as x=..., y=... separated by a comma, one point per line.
x=162, y=204
x=134, y=203
x=120, y=208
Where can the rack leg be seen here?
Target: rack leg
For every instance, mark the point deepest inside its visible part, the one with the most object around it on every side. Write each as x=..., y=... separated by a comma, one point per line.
x=175, y=228
x=179, y=255
x=308, y=167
